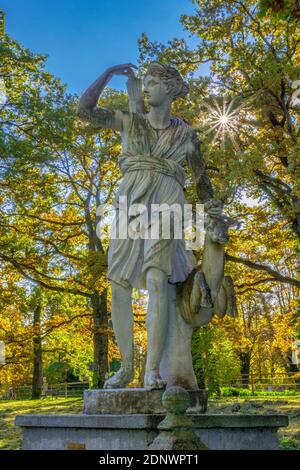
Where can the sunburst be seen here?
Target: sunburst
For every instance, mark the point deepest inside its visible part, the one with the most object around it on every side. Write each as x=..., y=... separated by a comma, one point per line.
x=223, y=121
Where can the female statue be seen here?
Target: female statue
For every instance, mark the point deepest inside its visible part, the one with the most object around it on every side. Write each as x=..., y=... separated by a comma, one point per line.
x=155, y=145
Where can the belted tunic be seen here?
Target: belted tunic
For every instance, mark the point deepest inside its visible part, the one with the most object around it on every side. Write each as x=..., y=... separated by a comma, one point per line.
x=153, y=174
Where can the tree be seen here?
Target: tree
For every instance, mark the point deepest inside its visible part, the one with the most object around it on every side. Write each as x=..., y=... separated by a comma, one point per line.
x=254, y=60
x=248, y=121
x=37, y=376
x=282, y=8
x=54, y=174
x=214, y=358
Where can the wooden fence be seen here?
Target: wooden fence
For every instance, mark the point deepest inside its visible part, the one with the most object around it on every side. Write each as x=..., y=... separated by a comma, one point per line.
x=277, y=382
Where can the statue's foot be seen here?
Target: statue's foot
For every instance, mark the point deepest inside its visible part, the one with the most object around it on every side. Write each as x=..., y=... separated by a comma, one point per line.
x=153, y=380
x=119, y=380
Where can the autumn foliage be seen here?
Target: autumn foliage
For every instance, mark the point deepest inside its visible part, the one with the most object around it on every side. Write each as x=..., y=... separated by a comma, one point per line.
x=55, y=171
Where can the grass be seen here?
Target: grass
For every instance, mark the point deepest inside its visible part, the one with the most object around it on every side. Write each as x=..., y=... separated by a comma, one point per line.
x=245, y=392
x=11, y=437
x=289, y=438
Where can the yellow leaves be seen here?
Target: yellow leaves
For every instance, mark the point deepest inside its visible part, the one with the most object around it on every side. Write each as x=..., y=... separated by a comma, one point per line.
x=93, y=270
x=284, y=331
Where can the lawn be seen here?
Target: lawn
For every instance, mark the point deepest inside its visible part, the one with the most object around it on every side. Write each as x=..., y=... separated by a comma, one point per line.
x=11, y=435
x=289, y=437
x=11, y=438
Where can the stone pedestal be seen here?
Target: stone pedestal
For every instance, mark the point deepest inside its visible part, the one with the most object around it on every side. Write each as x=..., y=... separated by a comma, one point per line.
x=137, y=432
x=176, y=430
x=129, y=420
x=136, y=401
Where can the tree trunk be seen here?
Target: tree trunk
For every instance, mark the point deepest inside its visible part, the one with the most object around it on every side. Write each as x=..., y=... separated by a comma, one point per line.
x=142, y=369
x=100, y=367
x=37, y=379
x=245, y=367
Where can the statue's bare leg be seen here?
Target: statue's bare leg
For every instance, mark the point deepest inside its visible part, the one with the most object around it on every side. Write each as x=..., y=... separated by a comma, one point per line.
x=156, y=323
x=122, y=319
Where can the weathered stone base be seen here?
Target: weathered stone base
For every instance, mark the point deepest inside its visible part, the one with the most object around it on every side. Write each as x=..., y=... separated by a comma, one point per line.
x=136, y=401
x=136, y=432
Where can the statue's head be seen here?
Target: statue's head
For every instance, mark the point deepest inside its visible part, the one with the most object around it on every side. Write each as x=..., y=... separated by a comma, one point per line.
x=163, y=83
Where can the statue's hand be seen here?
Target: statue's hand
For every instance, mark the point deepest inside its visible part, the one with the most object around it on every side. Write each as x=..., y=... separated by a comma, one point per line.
x=123, y=69
x=213, y=207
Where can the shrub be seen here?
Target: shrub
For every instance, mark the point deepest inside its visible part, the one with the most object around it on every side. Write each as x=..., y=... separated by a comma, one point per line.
x=235, y=392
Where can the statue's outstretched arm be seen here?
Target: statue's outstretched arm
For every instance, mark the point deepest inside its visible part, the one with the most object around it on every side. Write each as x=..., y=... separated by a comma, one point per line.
x=101, y=117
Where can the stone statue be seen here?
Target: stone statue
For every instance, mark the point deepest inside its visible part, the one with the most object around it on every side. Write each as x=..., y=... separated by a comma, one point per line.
x=182, y=295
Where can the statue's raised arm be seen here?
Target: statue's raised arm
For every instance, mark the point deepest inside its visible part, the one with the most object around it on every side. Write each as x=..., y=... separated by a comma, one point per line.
x=103, y=117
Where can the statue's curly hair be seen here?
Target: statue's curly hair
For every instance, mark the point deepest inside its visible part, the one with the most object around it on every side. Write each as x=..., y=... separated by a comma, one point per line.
x=178, y=87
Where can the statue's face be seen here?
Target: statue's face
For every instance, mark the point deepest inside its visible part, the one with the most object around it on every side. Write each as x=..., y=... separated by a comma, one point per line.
x=156, y=90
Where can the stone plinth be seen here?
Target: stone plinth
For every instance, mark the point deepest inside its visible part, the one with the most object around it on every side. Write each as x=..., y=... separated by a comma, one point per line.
x=136, y=401
x=137, y=431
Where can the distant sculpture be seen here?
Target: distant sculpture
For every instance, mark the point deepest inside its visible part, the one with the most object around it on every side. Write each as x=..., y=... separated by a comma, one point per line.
x=182, y=295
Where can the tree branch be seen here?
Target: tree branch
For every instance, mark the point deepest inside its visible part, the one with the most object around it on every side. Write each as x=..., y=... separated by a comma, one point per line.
x=261, y=267
x=19, y=267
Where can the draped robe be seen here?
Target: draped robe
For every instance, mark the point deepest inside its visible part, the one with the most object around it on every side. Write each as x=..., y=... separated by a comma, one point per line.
x=152, y=167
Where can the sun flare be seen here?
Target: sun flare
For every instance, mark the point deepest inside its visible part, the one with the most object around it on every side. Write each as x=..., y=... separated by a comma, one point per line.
x=223, y=121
